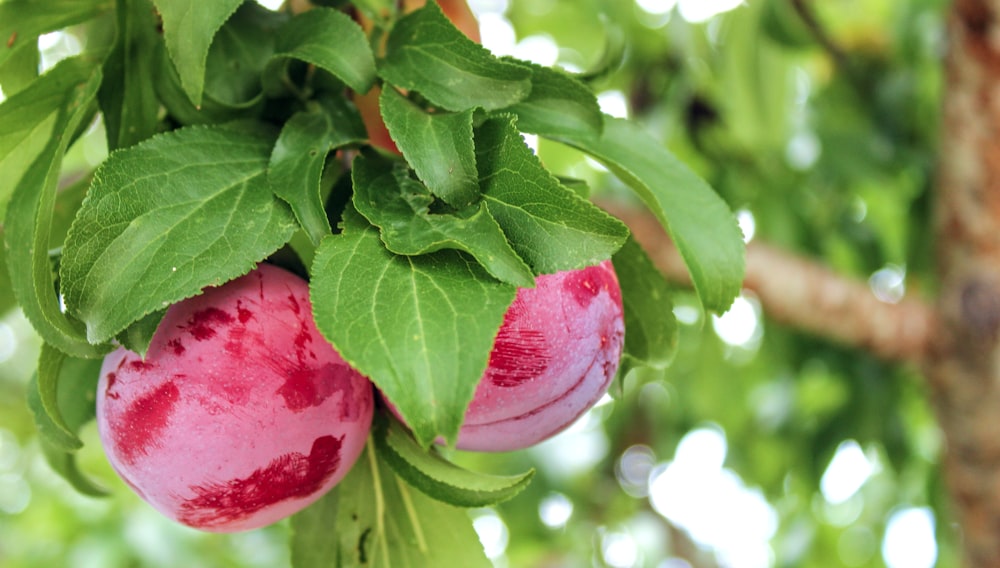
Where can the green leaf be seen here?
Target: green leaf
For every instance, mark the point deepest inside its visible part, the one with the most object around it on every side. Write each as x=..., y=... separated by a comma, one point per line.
x=381, y=522
x=127, y=98
x=437, y=477
x=44, y=403
x=438, y=146
x=421, y=327
x=239, y=54
x=188, y=29
x=549, y=225
x=649, y=314
x=400, y=207
x=137, y=337
x=330, y=40
x=43, y=116
x=68, y=386
x=558, y=105
x=698, y=220
x=165, y=218
x=296, y=164
x=426, y=53
x=22, y=21
x=20, y=68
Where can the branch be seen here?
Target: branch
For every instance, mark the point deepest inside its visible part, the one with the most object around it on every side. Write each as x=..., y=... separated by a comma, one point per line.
x=798, y=292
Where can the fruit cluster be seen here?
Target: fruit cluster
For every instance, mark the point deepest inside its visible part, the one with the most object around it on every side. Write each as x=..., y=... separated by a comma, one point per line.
x=241, y=413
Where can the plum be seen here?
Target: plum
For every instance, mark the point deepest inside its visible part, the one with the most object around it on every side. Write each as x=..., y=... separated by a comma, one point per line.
x=241, y=413
x=554, y=357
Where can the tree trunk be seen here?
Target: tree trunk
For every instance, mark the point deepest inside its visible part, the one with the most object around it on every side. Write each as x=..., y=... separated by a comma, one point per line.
x=963, y=365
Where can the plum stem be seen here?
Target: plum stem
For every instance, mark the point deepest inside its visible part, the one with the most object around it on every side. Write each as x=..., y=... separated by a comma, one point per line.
x=411, y=512
x=379, y=498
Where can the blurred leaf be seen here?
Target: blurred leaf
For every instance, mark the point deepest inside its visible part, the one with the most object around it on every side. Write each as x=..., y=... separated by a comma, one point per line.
x=137, y=336
x=239, y=54
x=167, y=217
x=62, y=399
x=188, y=29
x=381, y=522
x=550, y=226
x=332, y=41
x=127, y=98
x=649, y=314
x=438, y=147
x=19, y=68
x=400, y=207
x=22, y=21
x=41, y=119
x=421, y=327
x=426, y=53
x=437, y=477
x=699, y=222
x=296, y=165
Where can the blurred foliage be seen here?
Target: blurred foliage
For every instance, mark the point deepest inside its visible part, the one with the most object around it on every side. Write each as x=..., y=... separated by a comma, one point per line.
x=824, y=133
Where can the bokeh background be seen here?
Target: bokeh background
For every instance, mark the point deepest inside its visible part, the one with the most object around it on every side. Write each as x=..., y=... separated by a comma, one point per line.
x=759, y=446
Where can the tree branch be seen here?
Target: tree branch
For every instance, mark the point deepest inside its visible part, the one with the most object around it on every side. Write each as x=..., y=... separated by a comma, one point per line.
x=798, y=292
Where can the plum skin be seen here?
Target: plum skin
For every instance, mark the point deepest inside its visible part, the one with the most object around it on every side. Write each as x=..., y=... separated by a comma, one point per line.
x=554, y=357
x=241, y=413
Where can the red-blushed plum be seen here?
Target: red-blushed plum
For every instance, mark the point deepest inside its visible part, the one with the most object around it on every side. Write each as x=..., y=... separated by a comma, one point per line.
x=554, y=357
x=241, y=413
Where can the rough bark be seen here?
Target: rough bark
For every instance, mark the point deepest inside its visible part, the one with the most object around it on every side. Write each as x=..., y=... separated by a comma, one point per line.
x=964, y=363
x=803, y=294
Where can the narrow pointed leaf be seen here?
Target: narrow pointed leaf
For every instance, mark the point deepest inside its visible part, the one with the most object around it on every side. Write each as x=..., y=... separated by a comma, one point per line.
x=381, y=522
x=439, y=147
x=549, y=225
x=188, y=29
x=428, y=54
x=57, y=432
x=698, y=220
x=48, y=113
x=399, y=206
x=428, y=471
x=167, y=217
x=649, y=313
x=420, y=327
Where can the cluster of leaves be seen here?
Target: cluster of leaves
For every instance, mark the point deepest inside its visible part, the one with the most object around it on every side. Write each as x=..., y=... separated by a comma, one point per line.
x=234, y=139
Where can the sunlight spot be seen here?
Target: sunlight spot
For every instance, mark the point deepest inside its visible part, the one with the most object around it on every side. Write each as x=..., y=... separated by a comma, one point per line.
x=656, y=7
x=613, y=103
x=713, y=504
x=740, y=325
x=492, y=532
x=909, y=539
x=480, y=7
x=803, y=150
x=848, y=471
x=632, y=469
x=688, y=315
x=577, y=449
x=55, y=47
x=531, y=140
x=539, y=48
x=697, y=11
x=8, y=342
x=15, y=493
x=555, y=510
x=889, y=284
x=271, y=4
x=10, y=450
x=619, y=549
x=497, y=33
x=747, y=224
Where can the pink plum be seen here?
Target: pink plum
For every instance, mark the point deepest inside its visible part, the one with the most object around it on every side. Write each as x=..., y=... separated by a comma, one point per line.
x=554, y=357
x=241, y=413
